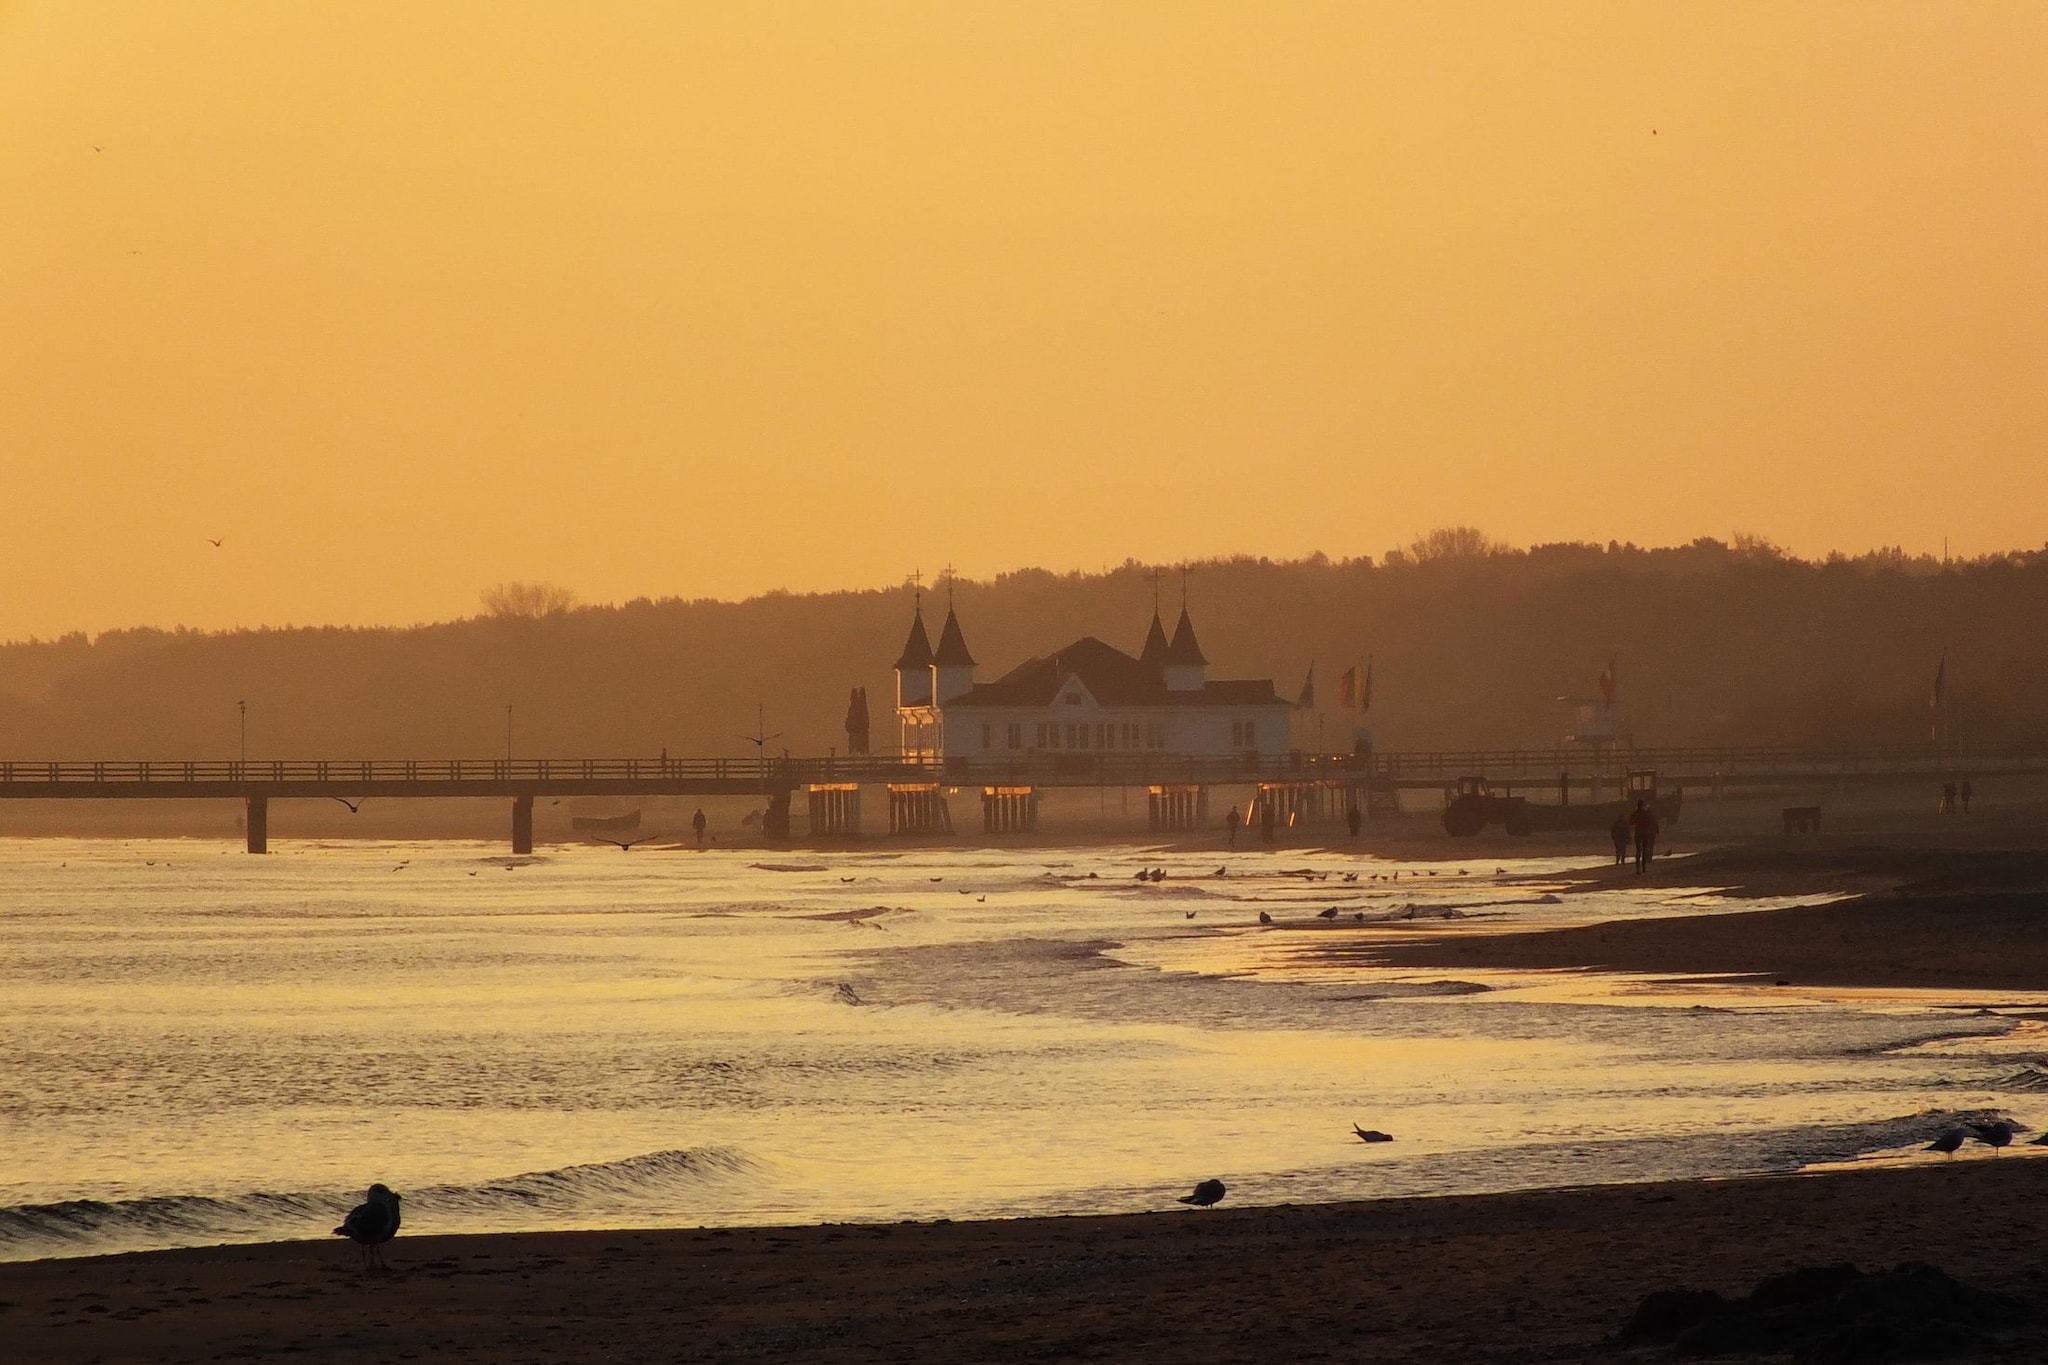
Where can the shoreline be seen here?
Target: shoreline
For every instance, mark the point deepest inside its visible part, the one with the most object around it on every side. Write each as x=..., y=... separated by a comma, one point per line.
x=1910, y=919
x=1549, y=1274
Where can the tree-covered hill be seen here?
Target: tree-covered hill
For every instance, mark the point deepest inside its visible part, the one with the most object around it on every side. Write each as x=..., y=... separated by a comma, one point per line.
x=1472, y=644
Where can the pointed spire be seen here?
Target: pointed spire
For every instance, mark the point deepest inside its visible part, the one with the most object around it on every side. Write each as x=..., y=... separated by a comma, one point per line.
x=1154, y=653
x=917, y=650
x=952, y=644
x=1184, y=650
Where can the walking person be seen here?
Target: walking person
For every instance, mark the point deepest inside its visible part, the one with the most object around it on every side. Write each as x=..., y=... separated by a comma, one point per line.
x=1618, y=831
x=1355, y=820
x=1644, y=823
x=1231, y=822
x=1267, y=815
x=1966, y=796
x=697, y=823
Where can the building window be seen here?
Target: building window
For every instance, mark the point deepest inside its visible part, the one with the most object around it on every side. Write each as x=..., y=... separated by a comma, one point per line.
x=988, y=736
x=1014, y=734
x=1244, y=734
x=1041, y=736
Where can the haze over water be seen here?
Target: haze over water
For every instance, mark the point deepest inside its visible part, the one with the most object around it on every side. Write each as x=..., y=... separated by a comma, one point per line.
x=198, y=1046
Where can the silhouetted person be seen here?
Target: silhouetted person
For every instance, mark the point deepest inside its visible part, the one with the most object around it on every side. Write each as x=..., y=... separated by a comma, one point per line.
x=1966, y=796
x=1355, y=819
x=1231, y=822
x=1644, y=823
x=697, y=824
x=1618, y=831
x=1267, y=816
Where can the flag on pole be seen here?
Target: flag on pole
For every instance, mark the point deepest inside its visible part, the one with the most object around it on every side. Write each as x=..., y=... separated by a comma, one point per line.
x=1347, y=688
x=1610, y=681
x=1308, y=690
x=1365, y=688
x=1940, y=684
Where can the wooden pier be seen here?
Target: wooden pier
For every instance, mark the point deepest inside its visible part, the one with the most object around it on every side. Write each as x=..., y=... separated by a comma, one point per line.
x=1015, y=776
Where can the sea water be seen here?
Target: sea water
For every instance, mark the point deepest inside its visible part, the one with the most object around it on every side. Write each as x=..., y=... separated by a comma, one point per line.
x=200, y=1046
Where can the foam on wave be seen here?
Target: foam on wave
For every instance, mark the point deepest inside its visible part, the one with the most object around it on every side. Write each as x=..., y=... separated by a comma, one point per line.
x=651, y=1181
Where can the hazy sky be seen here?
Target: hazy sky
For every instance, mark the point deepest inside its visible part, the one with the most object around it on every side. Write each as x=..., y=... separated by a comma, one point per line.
x=403, y=299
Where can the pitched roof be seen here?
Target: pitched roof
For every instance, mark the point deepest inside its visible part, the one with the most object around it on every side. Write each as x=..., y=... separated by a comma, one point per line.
x=1184, y=650
x=917, y=650
x=1154, y=653
x=1112, y=677
x=952, y=644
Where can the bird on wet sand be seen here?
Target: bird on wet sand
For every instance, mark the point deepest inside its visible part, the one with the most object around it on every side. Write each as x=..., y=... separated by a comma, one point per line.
x=1265, y=918
x=371, y=1224
x=1330, y=913
x=1994, y=1135
x=1948, y=1142
x=1207, y=1193
x=1371, y=1134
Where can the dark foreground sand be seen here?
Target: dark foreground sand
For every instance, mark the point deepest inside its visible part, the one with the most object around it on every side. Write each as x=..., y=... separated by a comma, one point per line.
x=1524, y=1277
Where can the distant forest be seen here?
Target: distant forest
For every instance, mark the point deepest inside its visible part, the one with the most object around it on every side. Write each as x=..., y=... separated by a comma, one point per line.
x=1472, y=644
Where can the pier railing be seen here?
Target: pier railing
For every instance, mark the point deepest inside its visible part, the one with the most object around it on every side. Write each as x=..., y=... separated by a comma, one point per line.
x=1734, y=764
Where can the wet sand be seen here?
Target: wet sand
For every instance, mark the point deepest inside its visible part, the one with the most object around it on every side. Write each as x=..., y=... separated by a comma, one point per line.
x=1537, y=1276
x=1920, y=918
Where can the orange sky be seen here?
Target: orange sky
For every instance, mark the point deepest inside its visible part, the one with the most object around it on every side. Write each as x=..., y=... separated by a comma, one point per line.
x=402, y=299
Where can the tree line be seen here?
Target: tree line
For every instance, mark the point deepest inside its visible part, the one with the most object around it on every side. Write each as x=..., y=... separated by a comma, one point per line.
x=1472, y=643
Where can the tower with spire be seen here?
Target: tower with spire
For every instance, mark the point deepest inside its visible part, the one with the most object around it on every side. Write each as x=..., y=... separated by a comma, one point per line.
x=914, y=664
x=1186, y=669
x=952, y=665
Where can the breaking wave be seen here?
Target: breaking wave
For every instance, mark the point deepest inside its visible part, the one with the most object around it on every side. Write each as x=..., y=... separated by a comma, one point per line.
x=653, y=1184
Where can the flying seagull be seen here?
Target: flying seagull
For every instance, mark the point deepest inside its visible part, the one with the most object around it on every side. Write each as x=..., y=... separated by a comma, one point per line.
x=1948, y=1142
x=353, y=806
x=1207, y=1193
x=1371, y=1134
x=626, y=845
x=210, y=540
x=371, y=1224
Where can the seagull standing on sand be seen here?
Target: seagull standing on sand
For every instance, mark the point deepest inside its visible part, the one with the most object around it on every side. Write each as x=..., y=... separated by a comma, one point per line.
x=1948, y=1142
x=371, y=1224
x=1371, y=1134
x=1207, y=1193
x=1994, y=1135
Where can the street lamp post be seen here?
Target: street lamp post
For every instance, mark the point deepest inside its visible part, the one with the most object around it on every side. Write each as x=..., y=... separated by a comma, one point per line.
x=242, y=762
x=508, y=739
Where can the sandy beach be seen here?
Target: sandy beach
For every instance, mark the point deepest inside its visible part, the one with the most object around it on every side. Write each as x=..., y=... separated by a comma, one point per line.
x=1549, y=1276
x=1914, y=918
x=1546, y=1275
